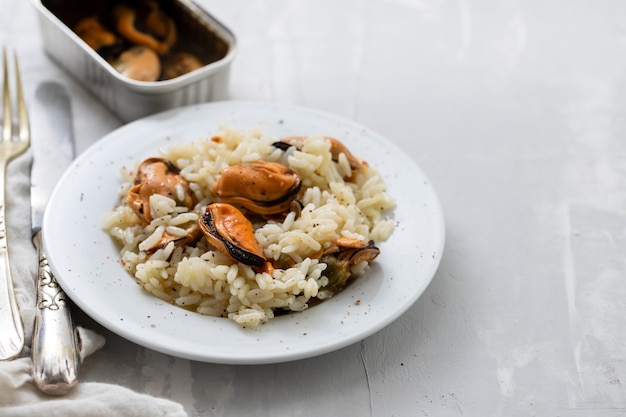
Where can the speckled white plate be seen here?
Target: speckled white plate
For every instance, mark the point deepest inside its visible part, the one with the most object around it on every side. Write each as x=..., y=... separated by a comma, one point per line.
x=86, y=261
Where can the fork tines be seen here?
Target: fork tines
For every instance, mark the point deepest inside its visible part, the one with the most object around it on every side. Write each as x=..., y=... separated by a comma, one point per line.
x=23, y=134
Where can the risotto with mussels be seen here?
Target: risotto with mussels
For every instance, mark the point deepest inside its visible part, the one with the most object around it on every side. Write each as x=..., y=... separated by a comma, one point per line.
x=197, y=227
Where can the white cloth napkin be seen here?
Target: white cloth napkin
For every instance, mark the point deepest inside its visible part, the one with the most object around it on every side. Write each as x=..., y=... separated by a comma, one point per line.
x=19, y=397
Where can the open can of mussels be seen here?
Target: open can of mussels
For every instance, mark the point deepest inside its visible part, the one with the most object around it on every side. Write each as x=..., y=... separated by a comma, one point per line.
x=98, y=65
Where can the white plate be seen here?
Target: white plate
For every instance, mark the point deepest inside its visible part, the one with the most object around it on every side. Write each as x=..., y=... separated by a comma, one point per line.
x=86, y=262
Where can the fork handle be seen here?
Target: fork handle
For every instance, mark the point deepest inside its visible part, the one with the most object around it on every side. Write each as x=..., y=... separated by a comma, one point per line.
x=11, y=327
x=56, y=345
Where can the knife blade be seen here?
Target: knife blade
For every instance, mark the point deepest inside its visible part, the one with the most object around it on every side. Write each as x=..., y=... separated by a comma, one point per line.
x=55, y=346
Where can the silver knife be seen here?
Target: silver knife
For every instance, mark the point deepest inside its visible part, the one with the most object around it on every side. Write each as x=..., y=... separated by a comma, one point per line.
x=55, y=346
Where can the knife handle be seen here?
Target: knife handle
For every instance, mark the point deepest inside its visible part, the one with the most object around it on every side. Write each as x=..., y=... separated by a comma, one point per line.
x=56, y=345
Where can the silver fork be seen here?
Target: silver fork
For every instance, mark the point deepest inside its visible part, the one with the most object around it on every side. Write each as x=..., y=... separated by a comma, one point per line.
x=11, y=327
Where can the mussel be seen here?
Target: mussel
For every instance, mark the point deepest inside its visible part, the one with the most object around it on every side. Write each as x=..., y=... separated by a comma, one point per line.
x=264, y=188
x=191, y=236
x=138, y=63
x=91, y=30
x=230, y=232
x=342, y=255
x=158, y=176
x=158, y=31
x=336, y=148
x=140, y=40
x=180, y=63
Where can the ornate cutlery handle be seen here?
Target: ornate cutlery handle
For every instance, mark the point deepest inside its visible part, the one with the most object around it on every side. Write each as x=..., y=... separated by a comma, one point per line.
x=11, y=328
x=55, y=348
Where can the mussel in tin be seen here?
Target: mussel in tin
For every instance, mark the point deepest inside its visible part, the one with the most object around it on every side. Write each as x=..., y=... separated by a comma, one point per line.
x=139, y=63
x=140, y=40
x=156, y=30
x=264, y=188
x=93, y=32
x=180, y=63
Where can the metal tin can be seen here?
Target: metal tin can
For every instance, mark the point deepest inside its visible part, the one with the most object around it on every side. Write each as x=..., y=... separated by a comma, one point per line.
x=127, y=98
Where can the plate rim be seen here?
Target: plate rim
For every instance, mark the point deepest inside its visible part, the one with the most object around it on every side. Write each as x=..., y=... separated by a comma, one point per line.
x=283, y=355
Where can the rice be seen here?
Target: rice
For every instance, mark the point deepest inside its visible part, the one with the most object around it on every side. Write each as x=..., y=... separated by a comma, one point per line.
x=201, y=279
